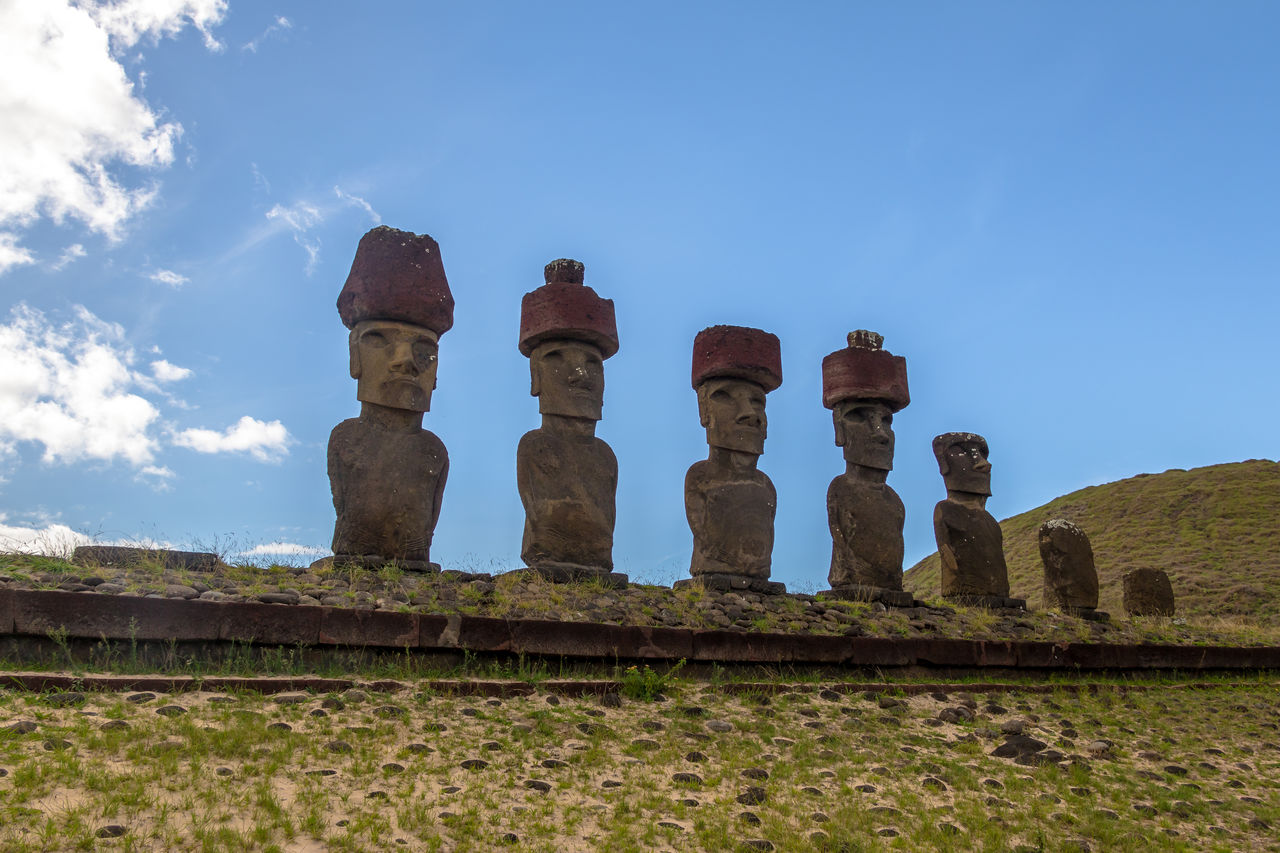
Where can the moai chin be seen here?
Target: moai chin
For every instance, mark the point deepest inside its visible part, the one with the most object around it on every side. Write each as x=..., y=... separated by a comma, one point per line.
x=1070, y=577
x=568, y=478
x=864, y=386
x=731, y=504
x=969, y=538
x=387, y=473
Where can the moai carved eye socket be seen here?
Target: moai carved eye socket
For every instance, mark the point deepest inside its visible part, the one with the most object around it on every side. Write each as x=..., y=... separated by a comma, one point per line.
x=373, y=339
x=425, y=353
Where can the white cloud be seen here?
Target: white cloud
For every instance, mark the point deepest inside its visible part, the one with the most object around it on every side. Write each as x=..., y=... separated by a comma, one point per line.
x=71, y=388
x=280, y=24
x=169, y=277
x=356, y=201
x=284, y=548
x=62, y=139
x=163, y=371
x=55, y=540
x=11, y=254
x=69, y=255
x=265, y=441
x=300, y=219
x=156, y=476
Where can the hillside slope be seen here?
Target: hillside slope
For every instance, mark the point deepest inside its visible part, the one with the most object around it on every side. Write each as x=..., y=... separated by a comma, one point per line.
x=1215, y=530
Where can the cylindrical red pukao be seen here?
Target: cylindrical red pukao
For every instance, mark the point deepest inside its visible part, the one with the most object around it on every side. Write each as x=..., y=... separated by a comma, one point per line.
x=564, y=307
x=737, y=352
x=397, y=275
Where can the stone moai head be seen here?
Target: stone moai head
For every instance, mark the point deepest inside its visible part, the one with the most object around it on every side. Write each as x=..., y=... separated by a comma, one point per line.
x=734, y=367
x=962, y=460
x=396, y=302
x=864, y=386
x=567, y=331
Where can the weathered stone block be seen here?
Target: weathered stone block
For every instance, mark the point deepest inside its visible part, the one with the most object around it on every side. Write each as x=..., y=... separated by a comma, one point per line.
x=1148, y=592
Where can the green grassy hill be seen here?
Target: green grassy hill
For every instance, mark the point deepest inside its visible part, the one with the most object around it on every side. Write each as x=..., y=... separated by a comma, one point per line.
x=1215, y=530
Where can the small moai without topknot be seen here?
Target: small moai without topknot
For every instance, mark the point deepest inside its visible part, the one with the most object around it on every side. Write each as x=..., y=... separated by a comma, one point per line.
x=970, y=542
x=729, y=502
x=1070, y=577
x=1148, y=592
x=567, y=477
x=386, y=472
x=865, y=386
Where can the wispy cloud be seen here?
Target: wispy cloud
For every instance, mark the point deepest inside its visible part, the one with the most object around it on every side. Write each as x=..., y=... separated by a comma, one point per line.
x=356, y=201
x=279, y=25
x=69, y=256
x=11, y=254
x=169, y=277
x=300, y=218
x=263, y=440
x=65, y=142
x=156, y=476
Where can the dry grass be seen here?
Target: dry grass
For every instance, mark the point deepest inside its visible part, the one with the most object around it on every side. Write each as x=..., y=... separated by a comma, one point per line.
x=1189, y=770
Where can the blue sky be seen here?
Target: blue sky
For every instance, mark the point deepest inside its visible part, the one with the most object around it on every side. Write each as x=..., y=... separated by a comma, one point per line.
x=1064, y=216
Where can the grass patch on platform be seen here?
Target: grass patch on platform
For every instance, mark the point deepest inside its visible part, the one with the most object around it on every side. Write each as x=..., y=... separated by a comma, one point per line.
x=705, y=769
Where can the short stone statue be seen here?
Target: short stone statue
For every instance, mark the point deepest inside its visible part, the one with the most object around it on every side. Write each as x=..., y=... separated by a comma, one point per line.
x=1070, y=577
x=387, y=473
x=864, y=386
x=730, y=503
x=566, y=475
x=970, y=542
x=1148, y=592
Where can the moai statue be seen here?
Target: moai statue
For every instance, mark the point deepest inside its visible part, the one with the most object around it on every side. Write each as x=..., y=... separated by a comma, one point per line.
x=388, y=473
x=1148, y=592
x=731, y=504
x=567, y=477
x=969, y=538
x=1070, y=578
x=864, y=386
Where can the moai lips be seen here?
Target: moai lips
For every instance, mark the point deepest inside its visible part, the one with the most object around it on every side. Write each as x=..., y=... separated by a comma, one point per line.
x=729, y=503
x=568, y=477
x=865, y=386
x=388, y=474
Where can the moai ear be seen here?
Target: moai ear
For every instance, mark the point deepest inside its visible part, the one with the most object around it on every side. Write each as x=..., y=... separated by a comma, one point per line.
x=702, y=407
x=839, y=424
x=535, y=385
x=355, y=356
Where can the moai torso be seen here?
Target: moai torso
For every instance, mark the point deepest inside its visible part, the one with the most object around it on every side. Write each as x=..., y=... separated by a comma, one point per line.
x=731, y=515
x=866, y=521
x=971, y=546
x=387, y=487
x=567, y=485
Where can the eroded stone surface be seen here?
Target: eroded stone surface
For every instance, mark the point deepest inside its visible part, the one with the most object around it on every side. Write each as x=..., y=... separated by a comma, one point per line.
x=386, y=472
x=1070, y=577
x=969, y=538
x=729, y=503
x=567, y=477
x=1148, y=592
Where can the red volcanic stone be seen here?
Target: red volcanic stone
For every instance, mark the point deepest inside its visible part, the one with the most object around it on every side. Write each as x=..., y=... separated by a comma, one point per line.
x=865, y=371
x=737, y=352
x=564, y=307
x=397, y=275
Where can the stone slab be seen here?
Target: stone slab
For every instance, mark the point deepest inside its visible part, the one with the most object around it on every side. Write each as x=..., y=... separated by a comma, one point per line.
x=859, y=592
x=118, y=556
x=342, y=627
x=6, y=611
x=92, y=616
x=274, y=624
x=731, y=583
x=367, y=562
